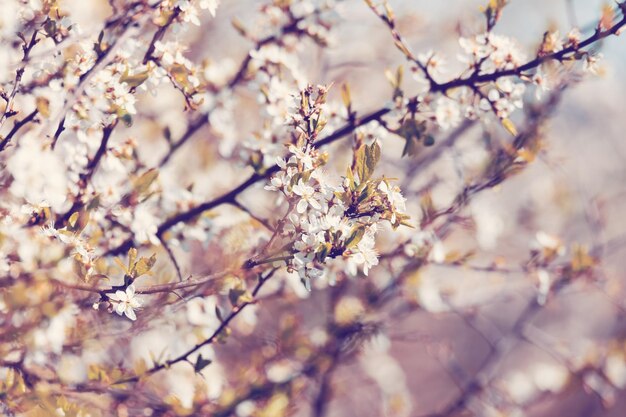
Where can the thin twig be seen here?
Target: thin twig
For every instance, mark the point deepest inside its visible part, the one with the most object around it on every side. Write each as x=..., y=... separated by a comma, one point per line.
x=223, y=325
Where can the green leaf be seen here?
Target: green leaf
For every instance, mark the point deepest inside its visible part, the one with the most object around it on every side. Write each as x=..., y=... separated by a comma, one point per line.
x=256, y=161
x=121, y=265
x=322, y=251
x=167, y=133
x=365, y=194
x=344, y=197
x=43, y=106
x=509, y=126
x=396, y=79
x=142, y=184
x=201, y=363
x=319, y=124
x=367, y=156
x=132, y=257
x=350, y=177
x=134, y=80
x=127, y=119
x=78, y=221
x=73, y=219
x=412, y=131
x=50, y=26
x=306, y=282
x=295, y=178
x=400, y=72
x=144, y=265
x=238, y=296
x=356, y=234
x=345, y=95
x=95, y=203
x=219, y=315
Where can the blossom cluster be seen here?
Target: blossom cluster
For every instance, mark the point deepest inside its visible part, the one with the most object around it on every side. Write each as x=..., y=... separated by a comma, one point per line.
x=328, y=217
x=137, y=128
x=496, y=62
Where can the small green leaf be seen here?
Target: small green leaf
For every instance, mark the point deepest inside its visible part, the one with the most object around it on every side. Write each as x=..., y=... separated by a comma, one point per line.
x=356, y=234
x=78, y=221
x=94, y=204
x=509, y=126
x=167, y=133
x=239, y=27
x=142, y=184
x=412, y=131
x=121, y=265
x=306, y=282
x=127, y=119
x=144, y=265
x=319, y=125
x=50, y=26
x=365, y=193
x=322, y=251
x=218, y=313
x=239, y=295
x=294, y=179
x=367, y=156
x=345, y=95
x=73, y=219
x=43, y=106
x=132, y=257
x=201, y=363
x=400, y=72
x=350, y=177
x=134, y=80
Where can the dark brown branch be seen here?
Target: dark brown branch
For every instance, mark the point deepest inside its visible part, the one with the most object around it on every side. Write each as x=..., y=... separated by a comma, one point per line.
x=193, y=127
x=158, y=35
x=172, y=257
x=239, y=77
x=90, y=169
x=16, y=127
x=26, y=48
x=230, y=196
x=377, y=115
x=152, y=289
x=224, y=324
x=476, y=78
x=103, y=58
x=563, y=54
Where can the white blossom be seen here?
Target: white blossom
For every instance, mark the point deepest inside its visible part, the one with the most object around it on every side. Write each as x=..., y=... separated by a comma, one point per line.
x=125, y=302
x=210, y=5
x=308, y=197
x=447, y=113
x=39, y=175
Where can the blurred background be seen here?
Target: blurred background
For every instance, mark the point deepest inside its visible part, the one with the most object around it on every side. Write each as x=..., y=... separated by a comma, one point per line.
x=473, y=340
x=475, y=328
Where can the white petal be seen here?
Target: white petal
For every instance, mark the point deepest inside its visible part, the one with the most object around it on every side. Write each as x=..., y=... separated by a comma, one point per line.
x=130, y=313
x=118, y=296
x=119, y=309
x=315, y=204
x=130, y=291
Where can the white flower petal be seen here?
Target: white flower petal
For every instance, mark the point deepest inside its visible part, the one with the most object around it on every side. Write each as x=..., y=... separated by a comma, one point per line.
x=130, y=291
x=119, y=309
x=118, y=296
x=130, y=313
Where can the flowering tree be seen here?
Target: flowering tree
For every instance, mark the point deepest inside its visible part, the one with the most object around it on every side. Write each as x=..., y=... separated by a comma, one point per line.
x=183, y=234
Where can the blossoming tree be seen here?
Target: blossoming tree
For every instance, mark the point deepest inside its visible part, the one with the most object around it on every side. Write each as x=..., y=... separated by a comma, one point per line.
x=231, y=232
